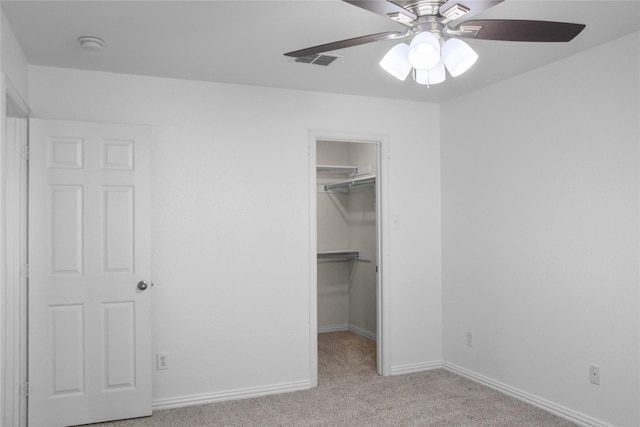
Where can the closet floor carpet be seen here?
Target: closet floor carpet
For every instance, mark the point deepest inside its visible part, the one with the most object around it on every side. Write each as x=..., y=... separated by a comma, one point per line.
x=350, y=393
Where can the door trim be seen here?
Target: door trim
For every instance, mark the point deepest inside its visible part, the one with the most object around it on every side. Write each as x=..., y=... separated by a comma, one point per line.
x=13, y=220
x=382, y=206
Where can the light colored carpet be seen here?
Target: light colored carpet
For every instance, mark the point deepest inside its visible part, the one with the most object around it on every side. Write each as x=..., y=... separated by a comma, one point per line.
x=350, y=393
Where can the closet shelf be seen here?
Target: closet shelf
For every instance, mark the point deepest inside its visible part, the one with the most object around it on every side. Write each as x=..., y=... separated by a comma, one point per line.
x=345, y=255
x=348, y=171
x=345, y=186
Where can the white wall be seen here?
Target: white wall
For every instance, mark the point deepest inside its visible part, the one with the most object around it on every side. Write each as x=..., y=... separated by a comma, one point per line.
x=230, y=227
x=540, y=207
x=13, y=62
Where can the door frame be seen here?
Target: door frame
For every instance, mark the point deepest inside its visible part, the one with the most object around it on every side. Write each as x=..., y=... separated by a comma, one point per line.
x=13, y=255
x=382, y=209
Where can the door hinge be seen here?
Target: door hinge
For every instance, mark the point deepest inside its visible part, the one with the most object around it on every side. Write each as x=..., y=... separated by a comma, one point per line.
x=24, y=270
x=24, y=389
x=25, y=152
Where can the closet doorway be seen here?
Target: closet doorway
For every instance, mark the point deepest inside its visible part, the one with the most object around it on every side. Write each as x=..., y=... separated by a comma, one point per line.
x=348, y=239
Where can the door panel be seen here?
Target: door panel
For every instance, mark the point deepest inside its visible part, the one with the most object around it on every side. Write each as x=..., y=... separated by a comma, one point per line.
x=89, y=325
x=118, y=239
x=67, y=231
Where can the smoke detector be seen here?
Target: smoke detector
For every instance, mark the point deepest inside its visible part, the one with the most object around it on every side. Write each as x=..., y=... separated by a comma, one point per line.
x=91, y=43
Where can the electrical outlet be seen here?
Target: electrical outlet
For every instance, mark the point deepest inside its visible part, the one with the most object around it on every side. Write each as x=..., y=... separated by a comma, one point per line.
x=594, y=374
x=162, y=361
x=469, y=339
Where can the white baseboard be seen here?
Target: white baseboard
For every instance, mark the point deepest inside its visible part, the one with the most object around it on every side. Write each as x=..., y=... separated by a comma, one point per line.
x=362, y=332
x=415, y=367
x=352, y=328
x=202, y=399
x=548, y=406
x=333, y=328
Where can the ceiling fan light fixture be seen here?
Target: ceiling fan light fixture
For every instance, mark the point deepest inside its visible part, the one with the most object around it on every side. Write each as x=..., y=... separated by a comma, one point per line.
x=396, y=62
x=424, y=51
x=431, y=77
x=458, y=56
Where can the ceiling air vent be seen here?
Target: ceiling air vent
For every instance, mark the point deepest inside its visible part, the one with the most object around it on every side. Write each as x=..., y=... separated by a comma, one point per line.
x=317, y=59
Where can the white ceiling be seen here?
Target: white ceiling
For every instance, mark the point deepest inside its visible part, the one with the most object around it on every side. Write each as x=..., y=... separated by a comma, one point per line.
x=244, y=41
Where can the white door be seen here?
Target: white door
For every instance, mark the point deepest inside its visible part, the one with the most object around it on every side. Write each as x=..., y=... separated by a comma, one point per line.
x=89, y=322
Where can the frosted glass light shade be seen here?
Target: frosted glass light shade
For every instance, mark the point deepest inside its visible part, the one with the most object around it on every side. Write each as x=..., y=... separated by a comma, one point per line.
x=433, y=76
x=424, y=51
x=396, y=61
x=458, y=56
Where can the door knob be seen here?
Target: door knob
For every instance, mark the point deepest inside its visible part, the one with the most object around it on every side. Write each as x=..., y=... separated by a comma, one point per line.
x=142, y=285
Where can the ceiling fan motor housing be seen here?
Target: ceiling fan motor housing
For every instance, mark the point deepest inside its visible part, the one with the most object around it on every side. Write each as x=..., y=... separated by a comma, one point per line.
x=421, y=8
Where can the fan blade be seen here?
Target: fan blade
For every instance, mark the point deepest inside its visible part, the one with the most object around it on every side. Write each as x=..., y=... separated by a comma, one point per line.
x=518, y=30
x=343, y=44
x=474, y=6
x=384, y=8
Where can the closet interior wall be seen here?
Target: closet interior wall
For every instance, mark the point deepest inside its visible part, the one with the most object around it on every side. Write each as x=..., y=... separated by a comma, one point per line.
x=347, y=289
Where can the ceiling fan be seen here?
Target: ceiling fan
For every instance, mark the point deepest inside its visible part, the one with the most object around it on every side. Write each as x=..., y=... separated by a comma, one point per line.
x=435, y=28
